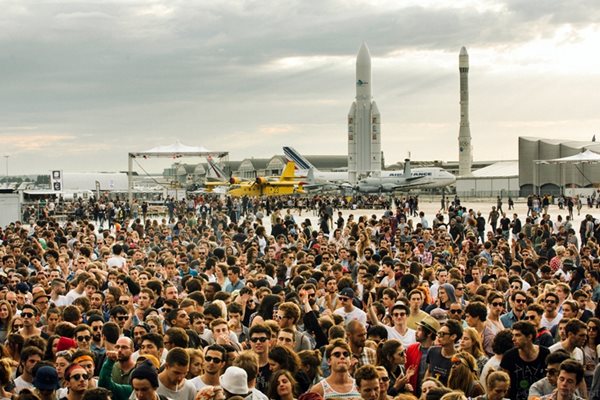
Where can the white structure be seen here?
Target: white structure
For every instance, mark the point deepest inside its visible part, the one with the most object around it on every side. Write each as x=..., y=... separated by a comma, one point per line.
x=465, y=150
x=175, y=150
x=10, y=208
x=542, y=171
x=498, y=179
x=364, y=124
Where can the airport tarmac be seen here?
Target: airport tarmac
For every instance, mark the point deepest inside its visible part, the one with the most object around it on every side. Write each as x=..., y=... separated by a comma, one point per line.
x=431, y=208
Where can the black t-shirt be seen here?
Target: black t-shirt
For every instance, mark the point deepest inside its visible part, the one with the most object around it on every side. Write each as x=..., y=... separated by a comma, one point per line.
x=439, y=366
x=523, y=374
x=263, y=378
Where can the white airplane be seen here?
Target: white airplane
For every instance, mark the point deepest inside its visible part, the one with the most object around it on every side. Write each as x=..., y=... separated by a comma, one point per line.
x=426, y=177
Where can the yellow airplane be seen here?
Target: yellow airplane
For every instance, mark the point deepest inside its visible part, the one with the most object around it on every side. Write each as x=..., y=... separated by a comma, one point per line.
x=286, y=185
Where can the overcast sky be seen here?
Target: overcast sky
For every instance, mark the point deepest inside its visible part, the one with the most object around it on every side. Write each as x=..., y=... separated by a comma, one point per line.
x=84, y=83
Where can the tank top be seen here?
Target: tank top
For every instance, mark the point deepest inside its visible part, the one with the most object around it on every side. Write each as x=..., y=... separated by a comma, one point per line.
x=330, y=393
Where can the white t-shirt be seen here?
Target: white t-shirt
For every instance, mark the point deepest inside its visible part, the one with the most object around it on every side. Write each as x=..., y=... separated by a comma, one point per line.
x=116, y=262
x=21, y=384
x=61, y=301
x=356, y=314
x=492, y=365
x=576, y=354
x=408, y=338
x=549, y=324
x=73, y=295
x=197, y=382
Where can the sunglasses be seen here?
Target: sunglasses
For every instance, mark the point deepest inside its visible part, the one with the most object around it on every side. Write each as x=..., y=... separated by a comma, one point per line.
x=551, y=301
x=498, y=304
x=338, y=354
x=455, y=311
x=123, y=318
x=84, y=338
x=258, y=339
x=399, y=314
x=529, y=318
x=215, y=360
x=97, y=328
x=78, y=377
x=384, y=379
x=343, y=298
x=27, y=315
x=520, y=301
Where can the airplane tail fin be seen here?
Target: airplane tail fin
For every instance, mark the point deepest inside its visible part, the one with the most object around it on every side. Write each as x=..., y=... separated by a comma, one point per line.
x=407, y=172
x=288, y=172
x=292, y=155
x=214, y=170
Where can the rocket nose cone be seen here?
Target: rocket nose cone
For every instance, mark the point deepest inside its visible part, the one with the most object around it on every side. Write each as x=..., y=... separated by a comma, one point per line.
x=363, y=54
x=463, y=51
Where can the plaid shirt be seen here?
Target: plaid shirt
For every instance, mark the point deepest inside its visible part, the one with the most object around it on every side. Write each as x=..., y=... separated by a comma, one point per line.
x=367, y=357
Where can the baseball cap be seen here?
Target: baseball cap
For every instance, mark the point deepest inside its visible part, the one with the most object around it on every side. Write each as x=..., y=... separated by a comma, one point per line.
x=46, y=378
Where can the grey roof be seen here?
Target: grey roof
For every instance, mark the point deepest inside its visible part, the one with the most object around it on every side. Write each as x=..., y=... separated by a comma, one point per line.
x=498, y=169
x=257, y=163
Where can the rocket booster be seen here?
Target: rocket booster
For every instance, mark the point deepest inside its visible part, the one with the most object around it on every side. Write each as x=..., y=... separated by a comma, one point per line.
x=465, y=153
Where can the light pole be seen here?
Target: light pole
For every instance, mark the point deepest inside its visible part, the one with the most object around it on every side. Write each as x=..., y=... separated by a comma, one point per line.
x=6, y=156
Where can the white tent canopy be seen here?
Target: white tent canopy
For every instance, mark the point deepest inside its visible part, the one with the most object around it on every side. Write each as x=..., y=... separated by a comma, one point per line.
x=585, y=157
x=178, y=149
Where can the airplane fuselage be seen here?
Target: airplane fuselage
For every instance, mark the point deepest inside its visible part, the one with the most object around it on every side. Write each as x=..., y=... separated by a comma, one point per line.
x=420, y=178
x=252, y=190
x=431, y=177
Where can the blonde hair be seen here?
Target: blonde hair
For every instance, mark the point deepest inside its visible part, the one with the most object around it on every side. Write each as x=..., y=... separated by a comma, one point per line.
x=6, y=369
x=455, y=395
x=463, y=375
x=495, y=377
x=477, y=347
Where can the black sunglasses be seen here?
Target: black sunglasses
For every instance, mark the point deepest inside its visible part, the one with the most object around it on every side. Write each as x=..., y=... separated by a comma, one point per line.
x=79, y=376
x=338, y=354
x=258, y=339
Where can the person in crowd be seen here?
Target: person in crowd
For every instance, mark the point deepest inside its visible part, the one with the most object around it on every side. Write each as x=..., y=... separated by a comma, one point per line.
x=233, y=305
x=526, y=362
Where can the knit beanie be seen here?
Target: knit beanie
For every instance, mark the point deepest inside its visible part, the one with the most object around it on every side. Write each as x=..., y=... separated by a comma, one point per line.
x=65, y=343
x=145, y=371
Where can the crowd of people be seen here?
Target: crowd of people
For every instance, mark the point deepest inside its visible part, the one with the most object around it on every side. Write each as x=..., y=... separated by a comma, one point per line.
x=212, y=304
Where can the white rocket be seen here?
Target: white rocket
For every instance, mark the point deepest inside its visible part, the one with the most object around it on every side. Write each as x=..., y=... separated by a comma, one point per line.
x=465, y=150
x=364, y=124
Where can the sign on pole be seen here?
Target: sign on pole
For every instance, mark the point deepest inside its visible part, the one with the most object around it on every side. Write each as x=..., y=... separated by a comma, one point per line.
x=56, y=181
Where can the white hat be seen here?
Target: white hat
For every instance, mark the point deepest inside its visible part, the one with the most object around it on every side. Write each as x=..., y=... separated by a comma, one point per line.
x=235, y=381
